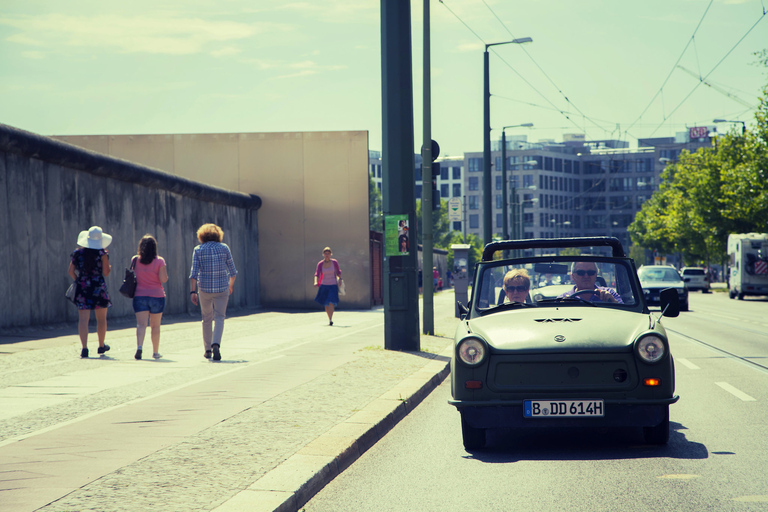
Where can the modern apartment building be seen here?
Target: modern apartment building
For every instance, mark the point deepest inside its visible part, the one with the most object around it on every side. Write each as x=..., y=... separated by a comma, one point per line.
x=572, y=188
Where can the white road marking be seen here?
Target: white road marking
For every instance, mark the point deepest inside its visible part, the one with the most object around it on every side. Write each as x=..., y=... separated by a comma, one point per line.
x=687, y=363
x=735, y=392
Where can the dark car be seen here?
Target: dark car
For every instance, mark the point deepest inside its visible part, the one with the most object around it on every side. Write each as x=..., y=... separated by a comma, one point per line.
x=561, y=356
x=655, y=278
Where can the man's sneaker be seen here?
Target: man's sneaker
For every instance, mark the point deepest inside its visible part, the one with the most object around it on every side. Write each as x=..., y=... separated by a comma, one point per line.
x=103, y=349
x=216, y=353
x=84, y=353
x=138, y=354
x=156, y=355
x=207, y=354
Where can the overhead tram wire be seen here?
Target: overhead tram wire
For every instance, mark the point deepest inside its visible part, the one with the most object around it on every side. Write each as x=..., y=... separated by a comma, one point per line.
x=762, y=16
x=567, y=100
x=442, y=2
x=661, y=88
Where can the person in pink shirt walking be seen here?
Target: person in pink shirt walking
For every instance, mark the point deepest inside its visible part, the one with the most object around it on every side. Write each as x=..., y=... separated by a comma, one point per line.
x=149, y=299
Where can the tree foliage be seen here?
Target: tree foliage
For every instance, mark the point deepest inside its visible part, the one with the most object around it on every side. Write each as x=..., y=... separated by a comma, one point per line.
x=375, y=215
x=708, y=194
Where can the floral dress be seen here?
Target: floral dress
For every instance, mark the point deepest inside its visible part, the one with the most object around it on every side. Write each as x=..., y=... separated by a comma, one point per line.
x=91, y=288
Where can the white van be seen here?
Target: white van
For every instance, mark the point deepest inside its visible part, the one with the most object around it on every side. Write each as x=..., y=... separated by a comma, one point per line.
x=747, y=264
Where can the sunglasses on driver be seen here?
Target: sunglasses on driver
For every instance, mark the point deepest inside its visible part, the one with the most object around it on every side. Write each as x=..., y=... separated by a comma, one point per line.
x=582, y=273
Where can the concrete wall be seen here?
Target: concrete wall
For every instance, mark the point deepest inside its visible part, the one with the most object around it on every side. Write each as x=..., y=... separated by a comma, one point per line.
x=314, y=187
x=50, y=191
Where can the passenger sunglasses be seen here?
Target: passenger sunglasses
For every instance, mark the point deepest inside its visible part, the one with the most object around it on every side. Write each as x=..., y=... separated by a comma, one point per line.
x=516, y=288
x=583, y=273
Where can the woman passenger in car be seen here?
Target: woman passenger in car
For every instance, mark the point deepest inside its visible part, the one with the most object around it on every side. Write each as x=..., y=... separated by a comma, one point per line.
x=517, y=283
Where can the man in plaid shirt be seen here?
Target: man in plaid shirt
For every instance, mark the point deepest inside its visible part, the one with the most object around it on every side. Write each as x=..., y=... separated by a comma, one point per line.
x=212, y=279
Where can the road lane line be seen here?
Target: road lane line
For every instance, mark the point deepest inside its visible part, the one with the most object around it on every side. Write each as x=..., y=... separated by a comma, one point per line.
x=687, y=363
x=735, y=392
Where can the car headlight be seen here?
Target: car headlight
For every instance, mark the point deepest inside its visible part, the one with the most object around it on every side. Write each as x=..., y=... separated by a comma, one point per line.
x=651, y=349
x=471, y=351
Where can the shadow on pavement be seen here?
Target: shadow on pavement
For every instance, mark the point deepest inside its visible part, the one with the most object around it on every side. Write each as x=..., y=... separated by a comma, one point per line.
x=506, y=446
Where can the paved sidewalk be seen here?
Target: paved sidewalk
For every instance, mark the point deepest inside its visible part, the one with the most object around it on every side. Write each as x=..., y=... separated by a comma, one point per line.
x=293, y=403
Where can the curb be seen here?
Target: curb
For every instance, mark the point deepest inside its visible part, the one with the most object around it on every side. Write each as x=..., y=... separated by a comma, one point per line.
x=294, y=482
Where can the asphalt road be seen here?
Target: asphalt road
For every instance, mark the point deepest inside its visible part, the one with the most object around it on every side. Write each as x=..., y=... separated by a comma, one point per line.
x=717, y=457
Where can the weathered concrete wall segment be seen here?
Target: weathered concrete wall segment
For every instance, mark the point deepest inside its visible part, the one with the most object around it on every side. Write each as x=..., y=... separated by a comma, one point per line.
x=50, y=191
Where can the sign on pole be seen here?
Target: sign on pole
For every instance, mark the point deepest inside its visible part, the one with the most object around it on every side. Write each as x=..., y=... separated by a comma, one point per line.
x=454, y=209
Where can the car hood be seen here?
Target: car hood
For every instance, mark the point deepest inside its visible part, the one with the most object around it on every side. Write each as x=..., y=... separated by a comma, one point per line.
x=582, y=329
x=652, y=285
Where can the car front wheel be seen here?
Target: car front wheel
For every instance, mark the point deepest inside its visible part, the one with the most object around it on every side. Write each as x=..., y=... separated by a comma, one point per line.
x=660, y=433
x=474, y=438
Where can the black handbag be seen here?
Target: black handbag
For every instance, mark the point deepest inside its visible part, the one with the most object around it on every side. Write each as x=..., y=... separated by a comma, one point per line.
x=128, y=287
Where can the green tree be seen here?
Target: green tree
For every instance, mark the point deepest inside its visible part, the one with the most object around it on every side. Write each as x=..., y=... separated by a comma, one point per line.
x=441, y=228
x=375, y=215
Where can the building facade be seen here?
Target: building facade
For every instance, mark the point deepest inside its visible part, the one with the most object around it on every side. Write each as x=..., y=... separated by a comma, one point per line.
x=573, y=188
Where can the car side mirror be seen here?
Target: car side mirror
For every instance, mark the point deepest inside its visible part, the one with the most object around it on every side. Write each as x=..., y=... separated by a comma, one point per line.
x=670, y=302
x=462, y=310
x=687, y=280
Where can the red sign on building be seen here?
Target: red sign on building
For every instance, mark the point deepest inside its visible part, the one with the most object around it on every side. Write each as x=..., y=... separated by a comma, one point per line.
x=698, y=132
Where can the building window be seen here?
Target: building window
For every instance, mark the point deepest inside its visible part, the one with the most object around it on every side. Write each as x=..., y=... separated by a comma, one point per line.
x=527, y=180
x=498, y=201
x=498, y=182
x=558, y=165
x=418, y=191
x=474, y=183
x=457, y=190
x=444, y=191
x=547, y=163
x=474, y=203
x=475, y=164
x=417, y=174
x=567, y=166
x=474, y=221
x=456, y=171
x=499, y=220
x=457, y=226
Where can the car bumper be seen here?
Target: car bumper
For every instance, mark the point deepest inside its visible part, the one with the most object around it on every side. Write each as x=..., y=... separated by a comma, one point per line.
x=618, y=413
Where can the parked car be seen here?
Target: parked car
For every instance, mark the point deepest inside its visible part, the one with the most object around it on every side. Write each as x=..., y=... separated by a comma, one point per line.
x=695, y=278
x=655, y=278
x=556, y=358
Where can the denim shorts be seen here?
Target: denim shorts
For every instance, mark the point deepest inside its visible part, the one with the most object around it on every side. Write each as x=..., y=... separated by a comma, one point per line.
x=152, y=304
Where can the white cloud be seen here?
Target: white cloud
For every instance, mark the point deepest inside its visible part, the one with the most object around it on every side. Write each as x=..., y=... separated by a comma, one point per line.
x=137, y=34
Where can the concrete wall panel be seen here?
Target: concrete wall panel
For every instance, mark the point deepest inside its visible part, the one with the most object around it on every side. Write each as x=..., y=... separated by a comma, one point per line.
x=314, y=187
x=50, y=191
x=207, y=158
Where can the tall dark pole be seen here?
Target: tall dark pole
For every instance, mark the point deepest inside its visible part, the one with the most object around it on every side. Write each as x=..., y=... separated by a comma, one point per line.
x=487, y=227
x=428, y=317
x=401, y=293
x=505, y=220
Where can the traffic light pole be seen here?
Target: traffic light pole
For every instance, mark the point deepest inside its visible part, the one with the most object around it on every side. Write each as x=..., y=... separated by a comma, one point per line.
x=428, y=322
x=401, y=295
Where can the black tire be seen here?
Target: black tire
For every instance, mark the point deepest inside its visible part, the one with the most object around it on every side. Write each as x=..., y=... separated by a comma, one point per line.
x=474, y=438
x=684, y=306
x=740, y=296
x=660, y=433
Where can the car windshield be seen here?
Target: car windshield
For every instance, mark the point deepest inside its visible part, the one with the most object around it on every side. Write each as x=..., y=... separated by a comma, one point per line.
x=533, y=282
x=658, y=274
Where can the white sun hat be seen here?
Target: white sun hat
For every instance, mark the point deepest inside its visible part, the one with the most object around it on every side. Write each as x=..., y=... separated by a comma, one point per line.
x=94, y=238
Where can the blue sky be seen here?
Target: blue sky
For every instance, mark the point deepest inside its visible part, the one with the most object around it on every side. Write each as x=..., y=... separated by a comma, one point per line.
x=73, y=67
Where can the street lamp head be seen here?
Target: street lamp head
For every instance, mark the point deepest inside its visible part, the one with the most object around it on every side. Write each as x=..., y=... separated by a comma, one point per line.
x=519, y=40
x=719, y=121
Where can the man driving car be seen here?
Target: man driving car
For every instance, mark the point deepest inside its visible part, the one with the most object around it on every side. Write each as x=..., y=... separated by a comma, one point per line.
x=584, y=274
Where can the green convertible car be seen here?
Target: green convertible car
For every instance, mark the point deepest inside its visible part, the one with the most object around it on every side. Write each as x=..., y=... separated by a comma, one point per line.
x=556, y=340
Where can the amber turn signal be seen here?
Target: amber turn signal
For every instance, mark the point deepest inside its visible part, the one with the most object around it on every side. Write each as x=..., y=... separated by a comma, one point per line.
x=652, y=382
x=473, y=384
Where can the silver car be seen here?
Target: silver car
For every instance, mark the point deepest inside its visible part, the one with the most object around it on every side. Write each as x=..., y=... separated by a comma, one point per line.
x=695, y=278
x=655, y=278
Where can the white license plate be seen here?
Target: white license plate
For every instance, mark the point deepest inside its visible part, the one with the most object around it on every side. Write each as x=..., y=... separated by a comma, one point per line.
x=563, y=408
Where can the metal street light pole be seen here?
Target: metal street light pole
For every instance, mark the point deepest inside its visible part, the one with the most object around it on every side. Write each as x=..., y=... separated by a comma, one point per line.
x=504, y=202
x=487, y=226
